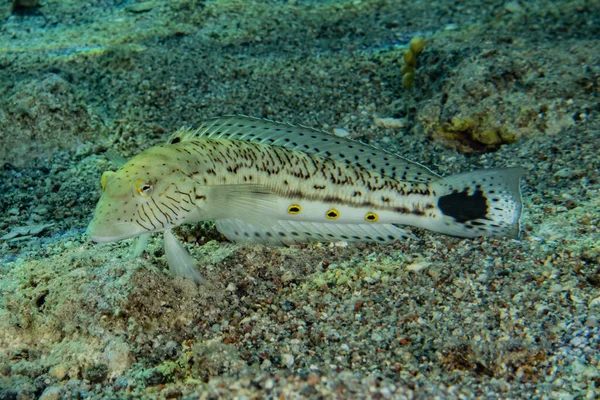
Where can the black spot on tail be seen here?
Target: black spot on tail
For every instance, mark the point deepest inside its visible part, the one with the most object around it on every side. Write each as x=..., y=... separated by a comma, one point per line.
x=464, y=207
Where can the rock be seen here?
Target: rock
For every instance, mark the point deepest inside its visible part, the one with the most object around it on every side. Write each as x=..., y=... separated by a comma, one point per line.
x=51, y=393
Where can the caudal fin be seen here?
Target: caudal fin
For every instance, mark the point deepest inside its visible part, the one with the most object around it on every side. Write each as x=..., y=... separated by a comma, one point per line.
x=480, y=203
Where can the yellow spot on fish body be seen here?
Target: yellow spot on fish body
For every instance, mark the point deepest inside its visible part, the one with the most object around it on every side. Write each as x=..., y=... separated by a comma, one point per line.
x=371, y=217
x=294, y=209
x=332, y=214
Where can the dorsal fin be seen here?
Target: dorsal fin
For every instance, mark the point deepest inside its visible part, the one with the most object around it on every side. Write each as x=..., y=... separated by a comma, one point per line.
x=308, y=140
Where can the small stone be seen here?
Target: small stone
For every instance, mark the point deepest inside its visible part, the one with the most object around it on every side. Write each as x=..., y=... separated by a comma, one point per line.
x=266, y=364
x=96, y=373
x=542, y=309
x=591, y=255
x=577, y=341
x=564, y=173
x=287, y=305
x=555, y=288
x=172, y=393
x=513, y=7
x=51, y=393
x=418, y=266
x=341, y=132
x=287, y=360
x=595, y=302
x=577, y=368
x=376, y=337
x=41, y=210
x=155, y=377
x=287, y=277
x=385, y=392
x=140, y=7
x=392, y=123
x=59, y=372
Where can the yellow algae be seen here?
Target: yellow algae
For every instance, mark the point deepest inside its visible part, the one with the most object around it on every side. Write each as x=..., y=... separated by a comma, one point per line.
x=474, y=133
x=410, y=58
x=408, y=80
x=417, y=44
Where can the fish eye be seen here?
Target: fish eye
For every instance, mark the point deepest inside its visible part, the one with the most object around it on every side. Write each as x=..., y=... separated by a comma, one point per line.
x=143, y=187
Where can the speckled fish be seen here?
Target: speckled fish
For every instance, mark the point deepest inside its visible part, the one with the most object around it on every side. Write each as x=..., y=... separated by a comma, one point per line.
x=274, y=183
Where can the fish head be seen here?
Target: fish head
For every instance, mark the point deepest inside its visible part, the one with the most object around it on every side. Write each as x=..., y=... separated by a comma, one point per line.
x=145, y=195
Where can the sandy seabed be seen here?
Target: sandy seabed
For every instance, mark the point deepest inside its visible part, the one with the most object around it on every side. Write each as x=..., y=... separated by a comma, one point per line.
x=497, y=84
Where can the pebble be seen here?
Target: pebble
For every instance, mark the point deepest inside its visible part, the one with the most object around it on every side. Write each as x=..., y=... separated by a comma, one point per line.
x=269, y=383
x=376, y=337
x=595, y=302
x=393, y=123
x=563, y=173
x=576, y=341
x=266, y=364
x=51, y=393
x=60, y=372
x=513, y=7
x=231, y=287
x=418, y=266
x=592, y=321
x=341, y=132
x=41, y=210
x=555, y=288
x=287, y=360
x=140, y=7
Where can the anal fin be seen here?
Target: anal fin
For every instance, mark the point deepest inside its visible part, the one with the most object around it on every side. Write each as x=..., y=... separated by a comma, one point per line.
x=293, y=232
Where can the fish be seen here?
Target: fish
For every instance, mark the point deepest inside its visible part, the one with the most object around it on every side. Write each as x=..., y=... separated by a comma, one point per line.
x=274, y=183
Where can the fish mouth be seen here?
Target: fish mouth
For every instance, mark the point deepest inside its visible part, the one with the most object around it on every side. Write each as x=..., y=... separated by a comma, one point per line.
x=110, y=233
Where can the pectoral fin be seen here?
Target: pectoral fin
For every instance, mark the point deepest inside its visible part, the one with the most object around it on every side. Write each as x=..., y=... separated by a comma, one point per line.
x=179, y=260
x=141, y=244
x=254, y=204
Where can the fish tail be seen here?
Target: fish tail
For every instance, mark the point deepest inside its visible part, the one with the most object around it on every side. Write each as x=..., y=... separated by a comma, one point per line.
x=480, y=203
